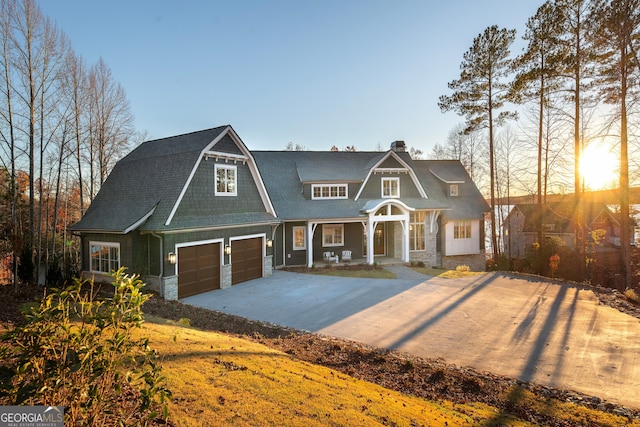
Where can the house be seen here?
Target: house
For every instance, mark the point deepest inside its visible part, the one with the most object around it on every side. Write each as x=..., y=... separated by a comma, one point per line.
x=199, y=211
x=520, y=229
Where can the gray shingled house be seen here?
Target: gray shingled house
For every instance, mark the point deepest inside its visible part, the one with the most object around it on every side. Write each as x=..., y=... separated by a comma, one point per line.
x=199, y=211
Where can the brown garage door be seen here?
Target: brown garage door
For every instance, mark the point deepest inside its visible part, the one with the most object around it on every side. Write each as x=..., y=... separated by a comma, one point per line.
x=198, y=269
x=246, y=259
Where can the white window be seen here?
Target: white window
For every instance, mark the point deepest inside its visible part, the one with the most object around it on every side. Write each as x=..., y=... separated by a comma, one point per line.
x=462, y=230
x=226, y=184
x=105, y=257
x=336, y=191
x=462, y=237
x=390, y=187
x=416, y=231
x=453, y=190
x=333, y=235
x=299, y=238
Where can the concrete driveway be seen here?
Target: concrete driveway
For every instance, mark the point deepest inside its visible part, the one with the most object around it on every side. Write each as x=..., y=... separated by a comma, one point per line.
x=555, y=335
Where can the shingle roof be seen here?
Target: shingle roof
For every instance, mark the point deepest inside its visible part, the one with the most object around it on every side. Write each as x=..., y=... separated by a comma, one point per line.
x=280, y=171
x=561, y=214
x=144, y=186
x=152, y=175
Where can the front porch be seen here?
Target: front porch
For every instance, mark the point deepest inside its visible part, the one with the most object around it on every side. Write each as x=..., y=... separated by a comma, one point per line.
x=378, y=260
x=383, y=230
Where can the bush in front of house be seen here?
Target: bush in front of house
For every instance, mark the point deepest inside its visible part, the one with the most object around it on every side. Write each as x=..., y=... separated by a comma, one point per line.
x=79, y=350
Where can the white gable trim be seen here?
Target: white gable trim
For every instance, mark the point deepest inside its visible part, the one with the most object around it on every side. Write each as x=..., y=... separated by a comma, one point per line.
x=405, y=168
x=255, y=173
x=246, y=157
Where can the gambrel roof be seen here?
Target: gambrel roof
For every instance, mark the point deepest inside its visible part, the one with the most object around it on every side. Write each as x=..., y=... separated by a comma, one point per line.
x=145, y=188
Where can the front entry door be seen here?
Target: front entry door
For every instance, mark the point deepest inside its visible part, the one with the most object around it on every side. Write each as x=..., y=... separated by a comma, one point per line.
x=379, y=239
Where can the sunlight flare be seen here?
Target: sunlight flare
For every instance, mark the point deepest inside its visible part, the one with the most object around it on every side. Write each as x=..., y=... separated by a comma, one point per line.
x=599, y=167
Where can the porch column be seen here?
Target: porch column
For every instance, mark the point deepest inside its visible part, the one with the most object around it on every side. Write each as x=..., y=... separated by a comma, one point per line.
x=370, y=227
x=405, y=241
x=311, y=228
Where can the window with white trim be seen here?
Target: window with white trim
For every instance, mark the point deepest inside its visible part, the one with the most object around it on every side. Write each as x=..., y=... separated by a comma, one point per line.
x=226, y=181
x=462, y=230
x=453, y=190
x=333, y=191
x=417, y=231
x=390, y=187
x=299, y=238
x=333, y=235
x=104, y=256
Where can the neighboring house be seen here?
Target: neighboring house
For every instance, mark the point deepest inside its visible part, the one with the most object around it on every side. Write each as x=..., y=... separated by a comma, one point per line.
x=521, y=231
x=200, y=211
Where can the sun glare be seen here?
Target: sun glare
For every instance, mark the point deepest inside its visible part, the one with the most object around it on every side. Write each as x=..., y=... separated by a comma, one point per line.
x=599, y=168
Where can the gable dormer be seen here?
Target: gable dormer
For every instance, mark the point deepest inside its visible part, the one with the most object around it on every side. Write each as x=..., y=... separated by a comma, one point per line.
x=391, y=177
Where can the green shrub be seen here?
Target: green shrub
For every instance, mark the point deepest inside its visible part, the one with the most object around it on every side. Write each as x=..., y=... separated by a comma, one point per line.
x=78, y=350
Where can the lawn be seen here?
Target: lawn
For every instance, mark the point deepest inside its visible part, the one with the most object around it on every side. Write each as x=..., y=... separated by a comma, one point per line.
x=217, y=379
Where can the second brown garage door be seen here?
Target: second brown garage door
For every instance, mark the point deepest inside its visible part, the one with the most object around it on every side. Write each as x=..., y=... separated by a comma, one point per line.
x=246, y=259
x=198, y=269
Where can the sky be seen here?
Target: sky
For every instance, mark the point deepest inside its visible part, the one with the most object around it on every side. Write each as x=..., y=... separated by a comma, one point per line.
x=357, y=73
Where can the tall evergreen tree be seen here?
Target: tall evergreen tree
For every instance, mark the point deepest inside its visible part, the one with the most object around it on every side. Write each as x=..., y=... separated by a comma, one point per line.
x=617, y=40
x=537, y=73
x=480, y=93
x=576, y=63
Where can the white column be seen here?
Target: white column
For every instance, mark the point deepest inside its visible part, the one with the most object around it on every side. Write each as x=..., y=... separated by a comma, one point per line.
x=310, y=229
x=406, y=239
x=370, y=228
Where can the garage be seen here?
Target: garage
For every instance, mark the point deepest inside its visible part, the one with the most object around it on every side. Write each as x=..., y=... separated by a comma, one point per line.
x=198, y=269
x=246, y=259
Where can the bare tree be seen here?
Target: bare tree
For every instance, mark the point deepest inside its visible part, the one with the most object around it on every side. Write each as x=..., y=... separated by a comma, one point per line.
x=74, y=82
x=35, y=45
x=295, y=147
x=111, y=124
x=7, y=132
x=467, y=147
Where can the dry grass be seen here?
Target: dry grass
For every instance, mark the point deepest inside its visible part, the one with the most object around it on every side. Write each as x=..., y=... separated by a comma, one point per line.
x=222, y=380
x=447, y=274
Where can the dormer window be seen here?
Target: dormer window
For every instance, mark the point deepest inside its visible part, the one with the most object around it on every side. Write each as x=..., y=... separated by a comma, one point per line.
x=390, y=187
x=453, y=190
x=226, y=184
x=332, y=191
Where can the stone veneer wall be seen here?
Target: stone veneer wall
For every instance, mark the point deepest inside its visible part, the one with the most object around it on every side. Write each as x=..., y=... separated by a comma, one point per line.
x=168, y=287
x=475, y=262
x=225, y=280
x=429, y=255
x=268, y=266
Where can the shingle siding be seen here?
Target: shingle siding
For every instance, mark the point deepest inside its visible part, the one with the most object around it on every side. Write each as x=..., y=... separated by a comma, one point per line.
x=373, y=187
x=227, y=145
x=200, y=199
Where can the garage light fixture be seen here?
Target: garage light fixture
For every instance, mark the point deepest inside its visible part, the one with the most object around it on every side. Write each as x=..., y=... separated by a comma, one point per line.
x=269, y=243
x=227, y=250
x=171, y=258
